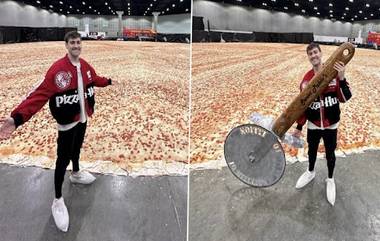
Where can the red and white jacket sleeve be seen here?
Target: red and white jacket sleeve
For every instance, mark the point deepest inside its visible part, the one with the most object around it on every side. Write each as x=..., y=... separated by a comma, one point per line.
x=34, y=100
x=344, y=91
x=98, y=80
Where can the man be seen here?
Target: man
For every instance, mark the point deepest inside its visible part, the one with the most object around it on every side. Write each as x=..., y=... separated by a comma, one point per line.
x=69, y=87
x=323, y=118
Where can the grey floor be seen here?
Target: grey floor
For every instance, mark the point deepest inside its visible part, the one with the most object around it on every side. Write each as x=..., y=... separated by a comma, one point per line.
x=113, y=208
x=223, y=208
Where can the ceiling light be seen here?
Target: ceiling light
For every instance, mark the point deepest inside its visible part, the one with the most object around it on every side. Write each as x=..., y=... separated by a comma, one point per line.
x=50, y=6
x=71, y=6
x=331, y=15
x=360, y=11
x=347, y=8
x=303, y=10
x=371, y=14
x=187, y=9
x=352, y=19
x=68, y=12
x=38, y=2
x=356, y=16
x=310, y=0
x=296, y=4
x=352, y=1
x=330, y=4
x=167, y=9
x=181, y=0
x=77, y=10
x=83, y=13
x=342, y=17
x=89, y=7
x=367, y=5
x=285, y=7
x=264, y=4
x=83, y=3
x=344, y=14
x=60, y=9
x=365, y=18
x=98, y=13
x=315, y=8
x=60, y=2
x=318, y=13
x=148, y=9
x=106, y=3
x=173, y=5
x=129, y=4
x=331, y=11
x=151, y=4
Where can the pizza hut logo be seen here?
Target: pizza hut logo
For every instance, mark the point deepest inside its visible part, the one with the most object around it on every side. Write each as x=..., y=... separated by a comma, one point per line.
x=63, y=79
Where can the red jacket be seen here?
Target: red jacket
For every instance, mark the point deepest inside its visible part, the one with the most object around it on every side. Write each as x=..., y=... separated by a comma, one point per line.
x=324, y=111
x=60, y=88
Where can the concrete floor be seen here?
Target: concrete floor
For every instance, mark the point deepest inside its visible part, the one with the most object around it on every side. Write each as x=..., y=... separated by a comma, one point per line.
x=223, y=208
x=113, y=208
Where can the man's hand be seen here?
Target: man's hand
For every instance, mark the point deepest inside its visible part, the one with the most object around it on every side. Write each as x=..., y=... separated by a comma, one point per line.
x=297, y=133
x=7, y=128
x=339, y=66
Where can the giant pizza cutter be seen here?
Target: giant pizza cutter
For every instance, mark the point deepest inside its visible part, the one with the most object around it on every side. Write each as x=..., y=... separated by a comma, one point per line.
x=253, y=153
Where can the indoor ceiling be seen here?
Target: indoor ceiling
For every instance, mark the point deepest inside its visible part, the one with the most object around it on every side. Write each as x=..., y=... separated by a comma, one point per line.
x=109, y=7
x=342, y=10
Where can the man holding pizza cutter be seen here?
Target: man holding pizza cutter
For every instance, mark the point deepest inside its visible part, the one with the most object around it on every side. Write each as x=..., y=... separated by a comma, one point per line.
x=69, y=87
x=323, y=117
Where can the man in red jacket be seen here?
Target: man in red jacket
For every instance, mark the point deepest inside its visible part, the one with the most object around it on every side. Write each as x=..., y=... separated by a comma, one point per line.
x=323, y=117
x=69, y=87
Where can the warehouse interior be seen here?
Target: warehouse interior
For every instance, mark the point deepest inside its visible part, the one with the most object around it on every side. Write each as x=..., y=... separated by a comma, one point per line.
x=47, y=20
x=286, y=21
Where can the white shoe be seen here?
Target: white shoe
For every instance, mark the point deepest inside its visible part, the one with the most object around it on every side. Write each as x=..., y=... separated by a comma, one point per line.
x=305, y=178
x=330, y=190
x=82, y=177
x=60, y=214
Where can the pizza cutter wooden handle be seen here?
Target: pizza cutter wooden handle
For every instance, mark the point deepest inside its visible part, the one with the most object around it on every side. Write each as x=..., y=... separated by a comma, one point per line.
x=317, y=85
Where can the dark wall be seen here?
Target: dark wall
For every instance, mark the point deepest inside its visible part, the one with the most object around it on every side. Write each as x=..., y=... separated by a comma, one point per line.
x=214, y=36
x=29, y=34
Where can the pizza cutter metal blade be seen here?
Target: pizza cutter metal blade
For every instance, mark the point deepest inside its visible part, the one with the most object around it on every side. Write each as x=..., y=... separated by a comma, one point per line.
x=254, y=155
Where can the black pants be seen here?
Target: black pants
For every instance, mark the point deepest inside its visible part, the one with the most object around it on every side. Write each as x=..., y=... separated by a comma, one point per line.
x=69, y=145
x=329, y=139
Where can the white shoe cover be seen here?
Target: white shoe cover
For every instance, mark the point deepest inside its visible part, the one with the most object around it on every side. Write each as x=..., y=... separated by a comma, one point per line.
x=305, y=178
x=330, y=190
x=82, y=177
x=60, y=214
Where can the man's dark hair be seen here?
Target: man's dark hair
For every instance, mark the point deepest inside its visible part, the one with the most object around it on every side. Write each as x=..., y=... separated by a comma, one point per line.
x=71, y=35
x=311, y=46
